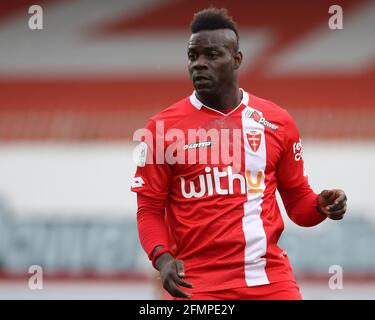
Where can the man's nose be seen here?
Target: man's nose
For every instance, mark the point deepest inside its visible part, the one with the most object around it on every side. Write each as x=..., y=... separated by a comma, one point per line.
x=200, y=62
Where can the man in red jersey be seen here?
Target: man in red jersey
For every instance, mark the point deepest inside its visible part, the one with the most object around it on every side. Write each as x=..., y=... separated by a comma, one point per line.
x=208, y=170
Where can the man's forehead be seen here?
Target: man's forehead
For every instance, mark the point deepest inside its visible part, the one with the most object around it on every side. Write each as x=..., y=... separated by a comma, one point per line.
x=213, y=38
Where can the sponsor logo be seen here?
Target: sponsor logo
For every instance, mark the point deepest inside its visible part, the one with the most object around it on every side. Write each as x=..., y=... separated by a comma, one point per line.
x=198, y=145
x=253, y=187
x=211, y=183
x=137, y=182
x=257, y=117
x=254, y=138
x=298, y=150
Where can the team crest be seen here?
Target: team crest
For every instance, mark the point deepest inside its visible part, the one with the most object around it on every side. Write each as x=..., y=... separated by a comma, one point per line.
x=254, y=137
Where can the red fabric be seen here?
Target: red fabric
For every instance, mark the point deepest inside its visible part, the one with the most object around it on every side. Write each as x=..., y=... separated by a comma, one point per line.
x=301, y=206
x=299, y=200
x=151, y=226
x=284, y=290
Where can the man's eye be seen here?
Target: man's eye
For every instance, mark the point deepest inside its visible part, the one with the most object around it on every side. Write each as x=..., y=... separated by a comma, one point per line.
x=191, y=56
x=213, y=54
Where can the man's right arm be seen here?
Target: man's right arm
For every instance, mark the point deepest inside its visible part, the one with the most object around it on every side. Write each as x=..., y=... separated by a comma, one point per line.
x=152, y=183
x=153, y=235
x=151, y=226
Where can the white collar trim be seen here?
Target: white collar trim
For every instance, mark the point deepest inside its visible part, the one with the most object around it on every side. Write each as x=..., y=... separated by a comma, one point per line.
x=198, y=104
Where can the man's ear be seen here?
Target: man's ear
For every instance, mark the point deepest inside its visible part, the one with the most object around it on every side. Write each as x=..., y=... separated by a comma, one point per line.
x=237, y=59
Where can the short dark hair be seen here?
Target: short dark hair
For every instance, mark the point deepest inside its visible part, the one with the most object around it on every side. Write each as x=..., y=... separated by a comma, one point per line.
x=213, y=19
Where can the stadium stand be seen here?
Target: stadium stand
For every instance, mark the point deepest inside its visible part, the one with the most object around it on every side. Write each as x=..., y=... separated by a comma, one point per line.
x=107, y=69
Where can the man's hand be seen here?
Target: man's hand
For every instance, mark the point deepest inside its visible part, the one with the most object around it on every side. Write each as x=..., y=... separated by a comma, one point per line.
x=172, y=273
x=332, y=203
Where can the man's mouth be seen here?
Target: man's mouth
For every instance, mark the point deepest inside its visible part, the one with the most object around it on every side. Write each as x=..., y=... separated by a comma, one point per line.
x=200, y=78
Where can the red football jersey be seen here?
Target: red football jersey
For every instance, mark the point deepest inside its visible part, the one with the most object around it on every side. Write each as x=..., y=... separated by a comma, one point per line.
x=216, y=174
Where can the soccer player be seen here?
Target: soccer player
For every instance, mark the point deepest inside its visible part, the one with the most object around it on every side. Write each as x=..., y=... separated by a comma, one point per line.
x=211, y=224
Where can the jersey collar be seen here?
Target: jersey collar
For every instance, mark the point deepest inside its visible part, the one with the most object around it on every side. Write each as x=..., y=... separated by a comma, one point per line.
x=198, y=104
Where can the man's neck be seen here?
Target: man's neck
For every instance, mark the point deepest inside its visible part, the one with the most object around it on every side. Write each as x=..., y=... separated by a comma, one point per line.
x=226, y=99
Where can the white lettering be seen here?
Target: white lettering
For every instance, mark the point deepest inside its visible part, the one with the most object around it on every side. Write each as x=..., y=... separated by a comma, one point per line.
x=36, y=280
x=217, y=176
x=207, y=180
x=36, y=20
x=336, y=281
x=233, y=176
x=298, y=150
x=192, y=192
x=336, y=21
x=174, y=152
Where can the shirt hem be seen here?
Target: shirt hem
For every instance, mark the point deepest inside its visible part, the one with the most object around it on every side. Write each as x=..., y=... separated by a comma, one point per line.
x=234, y=286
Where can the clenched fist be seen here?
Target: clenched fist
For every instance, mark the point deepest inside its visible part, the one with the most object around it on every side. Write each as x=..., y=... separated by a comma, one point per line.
x=332, y=203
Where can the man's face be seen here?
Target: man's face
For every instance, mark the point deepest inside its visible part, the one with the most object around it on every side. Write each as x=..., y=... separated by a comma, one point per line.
x=213, y=59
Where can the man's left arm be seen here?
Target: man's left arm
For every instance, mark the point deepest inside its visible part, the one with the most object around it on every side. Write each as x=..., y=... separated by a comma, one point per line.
x=302, y=204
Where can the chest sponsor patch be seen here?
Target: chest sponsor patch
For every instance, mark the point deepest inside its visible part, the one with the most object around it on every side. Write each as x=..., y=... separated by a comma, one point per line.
x=260, y=119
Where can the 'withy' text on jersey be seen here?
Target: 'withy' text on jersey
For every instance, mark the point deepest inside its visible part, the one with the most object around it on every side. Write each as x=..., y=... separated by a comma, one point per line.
x=211, y=182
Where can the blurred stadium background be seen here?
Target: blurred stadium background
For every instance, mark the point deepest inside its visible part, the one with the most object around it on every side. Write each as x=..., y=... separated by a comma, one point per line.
x=72, y=94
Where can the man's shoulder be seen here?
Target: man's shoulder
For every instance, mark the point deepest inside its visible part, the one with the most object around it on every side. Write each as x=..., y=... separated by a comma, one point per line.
x=275, y=114
x=269, y=108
